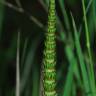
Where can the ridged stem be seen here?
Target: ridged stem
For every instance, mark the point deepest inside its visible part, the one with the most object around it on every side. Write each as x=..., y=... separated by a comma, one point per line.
x=49, y=60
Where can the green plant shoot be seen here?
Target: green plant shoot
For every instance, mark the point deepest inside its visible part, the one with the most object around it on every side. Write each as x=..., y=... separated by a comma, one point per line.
x=50, y=54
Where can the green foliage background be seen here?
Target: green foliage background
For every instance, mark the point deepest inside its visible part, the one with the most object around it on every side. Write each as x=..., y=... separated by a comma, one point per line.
x=73, y=58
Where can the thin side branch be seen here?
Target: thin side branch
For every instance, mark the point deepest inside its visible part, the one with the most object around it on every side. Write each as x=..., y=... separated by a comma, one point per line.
x=21, y=10
x=18, y=9
x=17, y=67
x=18, y=3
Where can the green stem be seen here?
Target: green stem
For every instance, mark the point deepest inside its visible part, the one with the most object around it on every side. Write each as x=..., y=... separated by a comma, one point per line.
x=49, y=54
x=91, y=71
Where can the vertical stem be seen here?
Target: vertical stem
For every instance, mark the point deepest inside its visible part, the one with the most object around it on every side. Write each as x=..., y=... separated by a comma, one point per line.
x=91, y=71
x=17, y=67
x=49, y=54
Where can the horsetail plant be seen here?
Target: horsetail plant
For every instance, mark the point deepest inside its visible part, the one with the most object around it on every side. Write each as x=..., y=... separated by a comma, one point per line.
x=49, y=82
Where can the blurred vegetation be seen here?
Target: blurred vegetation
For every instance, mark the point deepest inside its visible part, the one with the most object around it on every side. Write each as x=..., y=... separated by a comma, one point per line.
x=75, y=39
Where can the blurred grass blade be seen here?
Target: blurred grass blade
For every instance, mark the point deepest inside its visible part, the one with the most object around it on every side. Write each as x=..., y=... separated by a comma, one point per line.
x=69, y=78
x=17, y=67
x=65, y=16
x=35, y=91
x=87, y=10
x=1, y=18
x=24, y=52
x=74, y=89
x=60, y=29
x=81, y=59
x=28, y=63
x=94, y=11
x=91, y=65
x=70, y=74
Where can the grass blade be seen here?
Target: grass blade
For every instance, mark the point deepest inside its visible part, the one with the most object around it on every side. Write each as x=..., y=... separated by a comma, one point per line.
x=91, y=71
x=28, y=63
x=81, y=60
x=35, y=90
x=65, y=16
x=71, y=71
